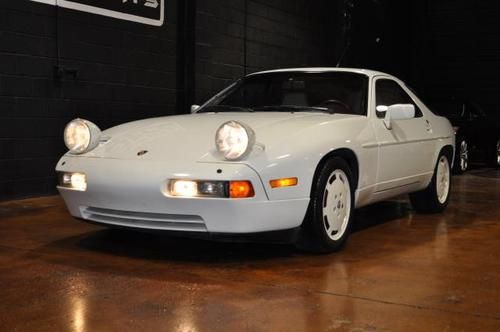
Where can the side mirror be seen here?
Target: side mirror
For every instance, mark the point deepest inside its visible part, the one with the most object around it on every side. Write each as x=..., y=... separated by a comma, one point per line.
x=194, y=108
x=397, y=112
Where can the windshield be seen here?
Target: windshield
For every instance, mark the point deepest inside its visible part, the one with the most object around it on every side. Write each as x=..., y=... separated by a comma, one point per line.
x=332, y=92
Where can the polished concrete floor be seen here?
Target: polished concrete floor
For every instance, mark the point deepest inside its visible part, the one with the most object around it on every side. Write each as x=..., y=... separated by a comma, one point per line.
x=399, y=272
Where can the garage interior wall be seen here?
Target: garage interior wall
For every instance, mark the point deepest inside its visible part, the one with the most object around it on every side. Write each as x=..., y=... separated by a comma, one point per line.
x=464, y=51
x=443, y=49
x=58, y=64
x=239, y=37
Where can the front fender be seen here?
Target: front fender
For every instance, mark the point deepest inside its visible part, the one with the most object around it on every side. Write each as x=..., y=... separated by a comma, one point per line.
x=299, y=154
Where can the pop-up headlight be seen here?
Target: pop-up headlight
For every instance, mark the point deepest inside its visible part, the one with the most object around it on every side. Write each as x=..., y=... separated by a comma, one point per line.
x=81, y=136
x=234, y=140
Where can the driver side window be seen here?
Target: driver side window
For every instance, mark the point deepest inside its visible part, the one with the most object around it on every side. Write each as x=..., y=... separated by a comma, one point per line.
x=389, y=92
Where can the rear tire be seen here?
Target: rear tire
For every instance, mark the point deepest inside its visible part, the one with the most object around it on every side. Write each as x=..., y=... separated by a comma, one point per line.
x=461, y=157
x=329, y=217
x=436, y=196
x=498, y=154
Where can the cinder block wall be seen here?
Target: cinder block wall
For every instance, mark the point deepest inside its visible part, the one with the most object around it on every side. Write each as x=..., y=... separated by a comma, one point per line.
x=244, y=36
x=127, y=71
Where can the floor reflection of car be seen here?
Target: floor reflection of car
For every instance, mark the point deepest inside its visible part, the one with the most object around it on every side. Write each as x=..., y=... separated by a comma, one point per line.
x=477, y=134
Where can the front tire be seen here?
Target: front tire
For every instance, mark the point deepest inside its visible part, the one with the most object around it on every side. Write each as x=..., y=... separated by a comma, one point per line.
x=328, y=221
x=436, y=196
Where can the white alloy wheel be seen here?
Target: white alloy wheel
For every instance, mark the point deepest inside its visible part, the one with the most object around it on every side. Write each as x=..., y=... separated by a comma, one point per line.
x=464, y=156
x=336, y=204
x=443, y=178
x=435, y=197
x=498, y=153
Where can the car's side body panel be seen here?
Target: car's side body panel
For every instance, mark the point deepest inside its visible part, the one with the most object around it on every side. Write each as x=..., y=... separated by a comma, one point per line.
x=407, y=151
x=300, y=153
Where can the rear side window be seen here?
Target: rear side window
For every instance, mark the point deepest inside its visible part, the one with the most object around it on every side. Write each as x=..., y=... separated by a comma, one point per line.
x=389, y=92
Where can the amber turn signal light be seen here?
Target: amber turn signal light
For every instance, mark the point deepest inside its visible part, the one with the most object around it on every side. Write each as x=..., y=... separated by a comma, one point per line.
x=241, y=189
x=286, y=182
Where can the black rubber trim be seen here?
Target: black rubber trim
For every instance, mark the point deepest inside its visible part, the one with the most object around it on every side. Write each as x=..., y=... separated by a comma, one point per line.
x=282, y=236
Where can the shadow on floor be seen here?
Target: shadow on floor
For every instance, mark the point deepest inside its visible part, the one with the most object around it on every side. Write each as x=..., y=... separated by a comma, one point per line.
x=381, y=213
x=157, y=246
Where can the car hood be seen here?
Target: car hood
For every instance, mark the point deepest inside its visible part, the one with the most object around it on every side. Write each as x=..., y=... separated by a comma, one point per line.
x=192, y=136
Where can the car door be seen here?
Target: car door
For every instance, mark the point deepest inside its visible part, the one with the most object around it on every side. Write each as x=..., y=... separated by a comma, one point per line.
x=406, y=151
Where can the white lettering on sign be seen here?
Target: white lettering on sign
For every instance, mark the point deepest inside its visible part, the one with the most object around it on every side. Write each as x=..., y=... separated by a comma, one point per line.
x=151, y=3
x=128, y=14
x=148, y=3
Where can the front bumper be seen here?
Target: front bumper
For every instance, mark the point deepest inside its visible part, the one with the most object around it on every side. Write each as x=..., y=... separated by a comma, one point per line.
x=128, y=193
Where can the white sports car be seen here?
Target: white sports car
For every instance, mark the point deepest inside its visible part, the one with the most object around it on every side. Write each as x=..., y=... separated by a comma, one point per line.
x=293, y=150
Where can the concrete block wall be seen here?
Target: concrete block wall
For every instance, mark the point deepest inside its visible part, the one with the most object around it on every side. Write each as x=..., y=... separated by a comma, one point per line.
x=243, y=36
x=112, y=71
x=125, y=71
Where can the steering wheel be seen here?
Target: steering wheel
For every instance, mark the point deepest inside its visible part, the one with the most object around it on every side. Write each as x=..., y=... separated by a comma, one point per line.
x=335, y=102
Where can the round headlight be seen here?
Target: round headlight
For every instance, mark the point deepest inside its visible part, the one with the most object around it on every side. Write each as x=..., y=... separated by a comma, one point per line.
x=234, y=140
x=81, y=136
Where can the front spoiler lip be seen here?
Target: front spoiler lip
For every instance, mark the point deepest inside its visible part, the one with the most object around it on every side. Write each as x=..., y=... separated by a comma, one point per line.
x=286, y=236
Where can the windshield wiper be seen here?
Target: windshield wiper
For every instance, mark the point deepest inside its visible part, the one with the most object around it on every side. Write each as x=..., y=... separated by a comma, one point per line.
x=293, y=108
x=224, y=108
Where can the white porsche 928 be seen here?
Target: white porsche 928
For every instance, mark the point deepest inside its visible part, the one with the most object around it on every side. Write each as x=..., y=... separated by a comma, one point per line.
x=293, y=150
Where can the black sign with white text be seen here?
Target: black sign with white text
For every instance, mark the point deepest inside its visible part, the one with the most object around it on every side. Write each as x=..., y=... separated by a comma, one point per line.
x=142, y=11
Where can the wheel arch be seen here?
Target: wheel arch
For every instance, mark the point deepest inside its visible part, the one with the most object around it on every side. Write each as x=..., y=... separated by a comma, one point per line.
x=449, y=152
x=348, y=155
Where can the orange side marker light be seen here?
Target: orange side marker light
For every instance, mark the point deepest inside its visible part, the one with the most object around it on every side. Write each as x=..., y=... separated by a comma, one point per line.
x=286, y=182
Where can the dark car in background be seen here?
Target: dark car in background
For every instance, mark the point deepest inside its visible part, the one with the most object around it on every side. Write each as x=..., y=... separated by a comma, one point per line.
x=477, y=134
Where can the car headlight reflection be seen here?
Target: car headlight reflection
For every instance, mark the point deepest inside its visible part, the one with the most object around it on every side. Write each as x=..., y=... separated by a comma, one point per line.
x=234, y=140
x=81, y=136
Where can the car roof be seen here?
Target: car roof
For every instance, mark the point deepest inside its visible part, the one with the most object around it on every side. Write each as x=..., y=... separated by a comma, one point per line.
x=369, y=73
